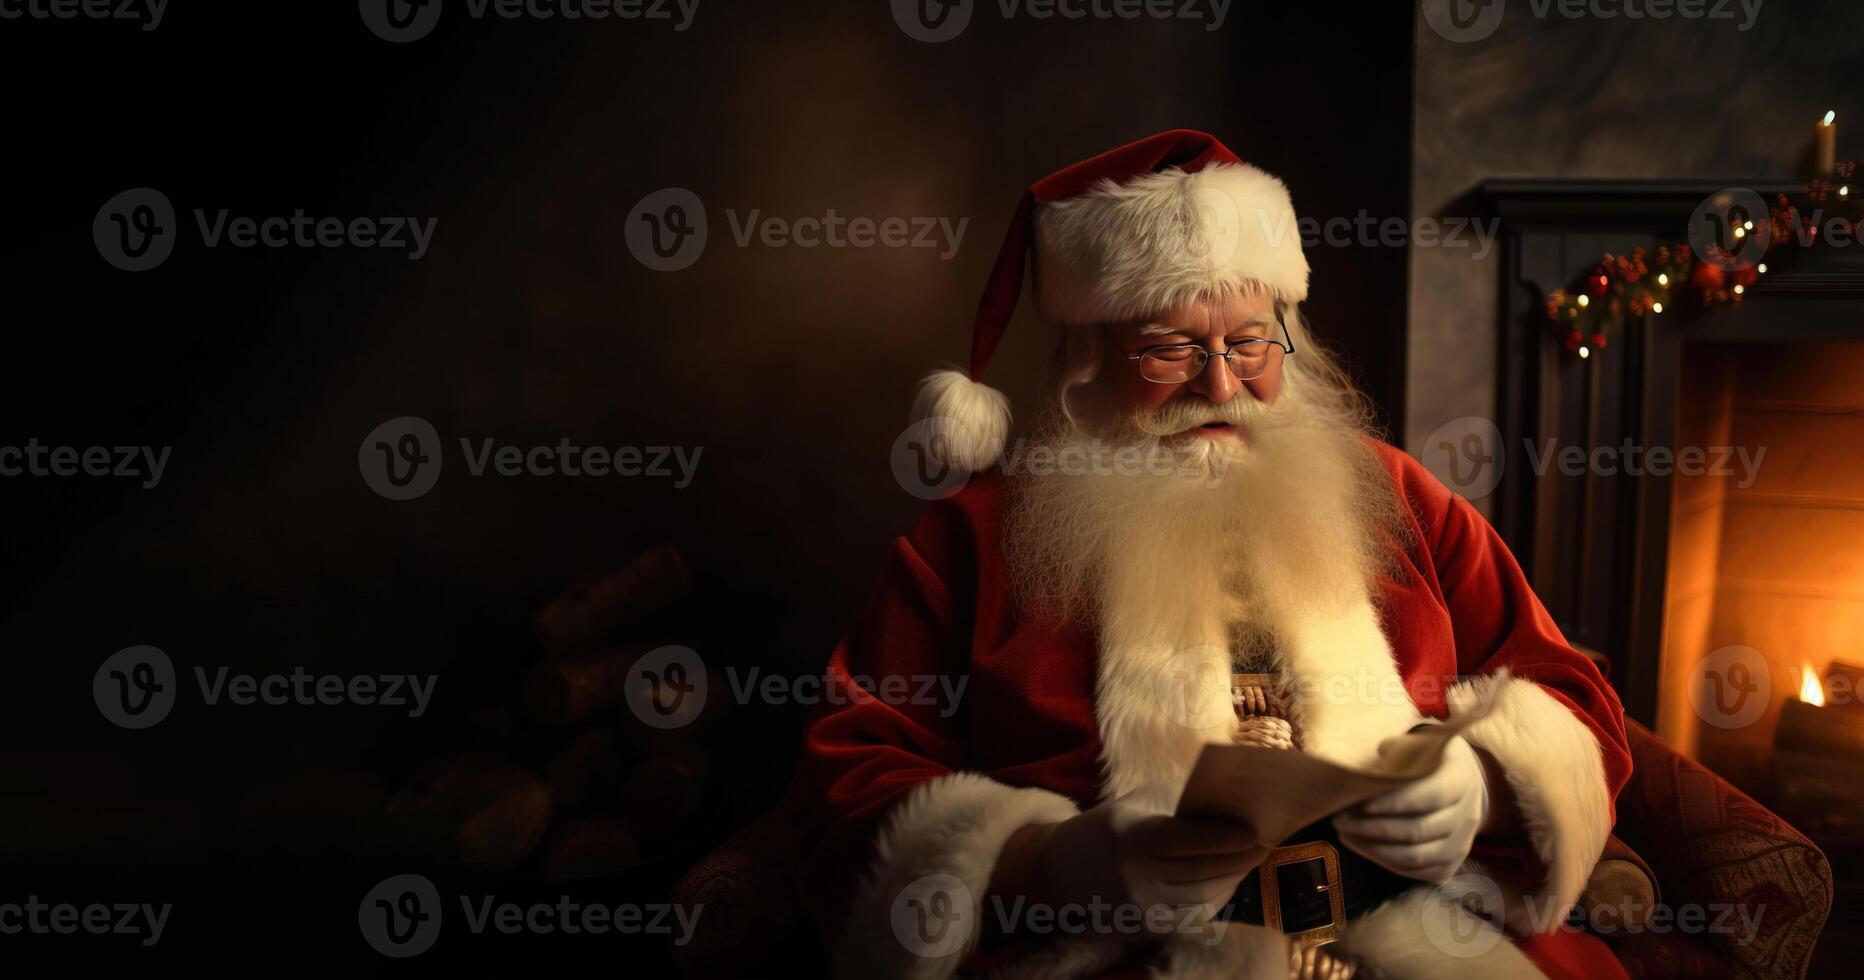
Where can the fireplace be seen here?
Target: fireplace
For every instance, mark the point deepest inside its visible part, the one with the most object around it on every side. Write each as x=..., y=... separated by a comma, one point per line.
x=1721, y=591
x=1766, y=554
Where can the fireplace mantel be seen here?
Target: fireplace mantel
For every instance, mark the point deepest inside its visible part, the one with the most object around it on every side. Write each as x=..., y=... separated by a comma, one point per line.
x=1595, y=547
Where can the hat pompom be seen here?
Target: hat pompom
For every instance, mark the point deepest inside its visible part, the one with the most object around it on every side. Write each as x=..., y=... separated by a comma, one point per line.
x=970, y=420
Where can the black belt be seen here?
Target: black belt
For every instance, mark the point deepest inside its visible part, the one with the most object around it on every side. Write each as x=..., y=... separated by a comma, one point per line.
x=1310, y=887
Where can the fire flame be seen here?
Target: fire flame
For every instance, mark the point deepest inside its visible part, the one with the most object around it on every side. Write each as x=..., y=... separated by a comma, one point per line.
x=1810, y=690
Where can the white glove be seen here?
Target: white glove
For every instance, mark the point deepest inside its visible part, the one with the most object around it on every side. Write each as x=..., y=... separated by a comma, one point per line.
x=1425, y=828
x=1123, y=854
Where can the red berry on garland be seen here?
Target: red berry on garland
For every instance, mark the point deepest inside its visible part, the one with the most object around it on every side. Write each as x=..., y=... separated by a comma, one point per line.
x=1572, y=341
x=1745, y=276
x=1598, y=339
x=1706, y=276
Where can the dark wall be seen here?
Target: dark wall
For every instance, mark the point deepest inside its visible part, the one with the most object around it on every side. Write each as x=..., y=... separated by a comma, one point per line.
x=530, y=321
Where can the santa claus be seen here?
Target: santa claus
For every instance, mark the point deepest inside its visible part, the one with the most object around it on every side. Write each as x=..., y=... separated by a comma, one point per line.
x=1199, y=543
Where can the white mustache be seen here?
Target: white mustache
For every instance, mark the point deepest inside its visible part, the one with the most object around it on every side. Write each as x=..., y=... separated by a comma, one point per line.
x=1174, y=417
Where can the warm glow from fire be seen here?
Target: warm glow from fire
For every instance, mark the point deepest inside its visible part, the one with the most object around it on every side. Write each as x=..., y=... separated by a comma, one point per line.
x=1810, y=690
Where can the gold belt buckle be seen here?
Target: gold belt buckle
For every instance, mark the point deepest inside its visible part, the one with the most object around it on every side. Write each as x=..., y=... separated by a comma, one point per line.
x=1336, y=895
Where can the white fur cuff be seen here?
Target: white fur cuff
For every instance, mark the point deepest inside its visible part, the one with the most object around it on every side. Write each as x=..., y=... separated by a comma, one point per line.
x=920, y=911
x=1554, y=765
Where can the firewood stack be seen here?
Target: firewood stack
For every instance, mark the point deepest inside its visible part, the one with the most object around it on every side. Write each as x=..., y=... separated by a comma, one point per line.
x=587, y=781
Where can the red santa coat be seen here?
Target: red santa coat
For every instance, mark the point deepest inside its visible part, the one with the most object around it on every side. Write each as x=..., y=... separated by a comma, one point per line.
x=888, y=793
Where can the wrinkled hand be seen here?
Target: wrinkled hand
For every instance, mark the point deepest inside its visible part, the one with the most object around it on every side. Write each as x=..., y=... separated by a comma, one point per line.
x=1123, y=854
x=1423, y=829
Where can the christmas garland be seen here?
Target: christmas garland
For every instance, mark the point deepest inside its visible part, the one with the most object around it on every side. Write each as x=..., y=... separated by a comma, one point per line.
x=1595, y=308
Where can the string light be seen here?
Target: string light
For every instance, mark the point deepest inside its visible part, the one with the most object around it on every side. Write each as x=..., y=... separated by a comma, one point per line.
x=1658, y=307
x=1584, y=352
x=1747, y=225
x=1844, y=191
x=1763, y=268
x=1739, y=289
x=1663, y=278
x=1740, y=232
x=1585, y=300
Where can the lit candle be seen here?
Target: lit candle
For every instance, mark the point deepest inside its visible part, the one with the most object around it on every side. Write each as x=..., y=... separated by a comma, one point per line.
x=1825, y=143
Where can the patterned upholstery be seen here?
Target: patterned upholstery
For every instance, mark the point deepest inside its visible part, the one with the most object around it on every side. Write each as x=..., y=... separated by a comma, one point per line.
x=1712, y=845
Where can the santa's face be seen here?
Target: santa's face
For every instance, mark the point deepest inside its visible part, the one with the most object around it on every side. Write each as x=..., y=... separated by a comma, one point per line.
x=1215, y=325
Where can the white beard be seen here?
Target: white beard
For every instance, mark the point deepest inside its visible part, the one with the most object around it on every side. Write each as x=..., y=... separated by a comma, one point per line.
x=1294, y=514
x=1280, y=536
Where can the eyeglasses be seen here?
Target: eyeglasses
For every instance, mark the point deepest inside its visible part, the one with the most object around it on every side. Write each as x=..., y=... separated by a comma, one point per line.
x=1248, y=359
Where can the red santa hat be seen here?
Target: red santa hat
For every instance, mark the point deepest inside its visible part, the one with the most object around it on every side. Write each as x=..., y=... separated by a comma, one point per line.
x=1131, y=232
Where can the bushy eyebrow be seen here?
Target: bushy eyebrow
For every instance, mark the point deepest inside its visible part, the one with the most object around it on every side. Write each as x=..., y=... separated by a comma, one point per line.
x=1159, y=329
